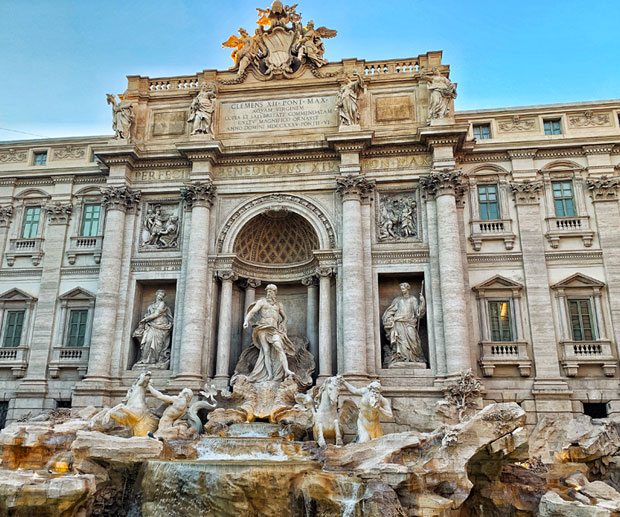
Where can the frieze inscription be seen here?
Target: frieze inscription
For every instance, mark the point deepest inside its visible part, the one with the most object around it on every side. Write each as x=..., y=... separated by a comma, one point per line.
x=161, y=175
x=397, y=162
x=300, y=113
x=276, y=169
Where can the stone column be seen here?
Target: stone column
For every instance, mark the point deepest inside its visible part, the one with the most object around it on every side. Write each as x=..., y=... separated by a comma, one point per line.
x=444, y=186
x=198, y=196
x=6, y=213
x=222, y=363
x=351, y=188
x=251, y=284
x=369, y=298
x=312, y=299
x=325, y=322
x=117, y=200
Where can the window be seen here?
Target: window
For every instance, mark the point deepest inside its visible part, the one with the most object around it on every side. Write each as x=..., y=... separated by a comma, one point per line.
x=500, y=321
x=13, y=326
x=4, y=409
x=563, y=198
x=580, y=314
x=77, y=327
x=30, y=227
x=40, y=158
x=487, y=200
x=553, y=127
x=482, y=131
x=90, y=220
x=63, y=404
x=595, y=409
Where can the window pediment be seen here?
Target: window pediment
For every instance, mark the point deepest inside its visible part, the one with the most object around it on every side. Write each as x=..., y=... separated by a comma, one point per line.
x=578, y=280
x=498, y=283
x=77, y=294
x=16, y=295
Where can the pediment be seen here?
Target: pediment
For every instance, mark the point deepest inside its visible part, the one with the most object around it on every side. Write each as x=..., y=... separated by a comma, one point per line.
x=498, y=282
x=77, y=294
x=578, y=280
x=16, y=295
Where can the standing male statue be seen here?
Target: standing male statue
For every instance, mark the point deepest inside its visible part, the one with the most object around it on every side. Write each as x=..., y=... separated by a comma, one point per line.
x=401, y=321
x=270, y=337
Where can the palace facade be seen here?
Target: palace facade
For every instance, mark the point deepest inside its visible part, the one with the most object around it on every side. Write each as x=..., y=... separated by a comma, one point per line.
x=507, y=220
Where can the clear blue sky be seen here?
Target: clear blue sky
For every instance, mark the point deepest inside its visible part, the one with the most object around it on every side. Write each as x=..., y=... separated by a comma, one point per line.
x=58, y=58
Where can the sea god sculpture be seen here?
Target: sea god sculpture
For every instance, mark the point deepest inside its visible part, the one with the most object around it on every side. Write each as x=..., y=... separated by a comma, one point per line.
x=154, y=332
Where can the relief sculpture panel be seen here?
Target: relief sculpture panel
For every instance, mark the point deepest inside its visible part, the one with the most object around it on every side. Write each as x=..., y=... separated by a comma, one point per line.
x=397, y=218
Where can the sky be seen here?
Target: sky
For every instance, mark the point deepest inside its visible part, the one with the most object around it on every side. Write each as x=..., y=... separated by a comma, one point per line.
x=58, y=58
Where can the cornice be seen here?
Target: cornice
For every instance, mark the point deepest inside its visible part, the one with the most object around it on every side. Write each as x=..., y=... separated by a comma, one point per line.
x=20, y=272
x=75, y=271
x=278, y=158
x=400, y=256
x=492, y=258
x=598, y=149
x=163, y=164
x=572, y=256
x=156, y=264
x=483, y=157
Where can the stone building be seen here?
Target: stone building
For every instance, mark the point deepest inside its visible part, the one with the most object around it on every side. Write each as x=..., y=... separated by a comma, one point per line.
x=337, y=182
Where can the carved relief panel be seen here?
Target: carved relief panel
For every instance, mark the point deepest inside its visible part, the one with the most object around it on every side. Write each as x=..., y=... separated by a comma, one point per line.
x=160, y=226
x=397, y=216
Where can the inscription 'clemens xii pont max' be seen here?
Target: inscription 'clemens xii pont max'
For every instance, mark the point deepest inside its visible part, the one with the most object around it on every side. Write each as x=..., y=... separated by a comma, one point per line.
x=299, y=113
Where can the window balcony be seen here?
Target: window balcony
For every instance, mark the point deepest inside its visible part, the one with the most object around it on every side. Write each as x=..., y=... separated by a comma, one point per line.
x=585, y=353
x=69, y=357
x=85, y=246
x=25, y=248
x=558, y=227
x=504, y=353
x=15, y=358
x=494, y=229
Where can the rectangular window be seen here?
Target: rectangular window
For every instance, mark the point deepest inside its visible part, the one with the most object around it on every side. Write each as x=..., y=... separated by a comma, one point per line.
x=30, y=227
x=13, y=327
x=482, y=131
x=487, y=200
x=500, y=320
x=553, y=127
x=4, y=409
x=40, y=158
x=563, y=198
x=77, y=327
x=90, y=220
x=581, y=320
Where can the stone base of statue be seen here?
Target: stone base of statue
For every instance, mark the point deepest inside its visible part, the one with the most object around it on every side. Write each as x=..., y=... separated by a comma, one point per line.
x=343, y=128
x=446, y=121
x=144, y=367
x=200, y=137
x=408, y=364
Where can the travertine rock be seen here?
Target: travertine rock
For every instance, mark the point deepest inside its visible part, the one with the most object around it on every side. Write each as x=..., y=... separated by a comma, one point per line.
x=96, y=445
x=552, y=505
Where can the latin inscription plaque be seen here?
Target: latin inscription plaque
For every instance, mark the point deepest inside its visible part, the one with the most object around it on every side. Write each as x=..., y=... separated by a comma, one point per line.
x=273, y=115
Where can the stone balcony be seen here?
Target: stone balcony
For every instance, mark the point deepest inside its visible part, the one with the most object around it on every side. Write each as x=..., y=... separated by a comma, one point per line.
x=15, y=358
x=69, y=357
x=496, y=229
x=25, y=248
x=85, y=246
x=559, y=227
x=505, y=353
x=584, y=353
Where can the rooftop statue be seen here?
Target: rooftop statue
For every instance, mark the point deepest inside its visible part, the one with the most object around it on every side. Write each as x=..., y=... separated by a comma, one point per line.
x=122, y=117
x=278, y=15
x=202, y=109
x=348, y=103
x=310, y=46
x=246, y=50
x=443, y=91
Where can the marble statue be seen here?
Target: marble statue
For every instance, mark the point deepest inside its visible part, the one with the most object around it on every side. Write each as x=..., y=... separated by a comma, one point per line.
x=278, y=15
x=322, y=403
x=246, y=50
x=160, y=230
x=122, y=117
x=208, y=392
x=132, y=412
x=401, y=321
x=443, y=91
x=202, y=110
x=172, y=415
x=348, y=103
x=310, y=45
x=154, y=331
x=270, y=338
x=371, y=407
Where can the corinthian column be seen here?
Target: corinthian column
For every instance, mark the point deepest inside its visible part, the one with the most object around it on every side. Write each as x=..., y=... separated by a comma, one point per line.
x=311, y=313
x=351, y=188
x=198, y=196
x=222, y=364
x=116, y=201
x=251, y=285
x=325, y=322
x=444, y=186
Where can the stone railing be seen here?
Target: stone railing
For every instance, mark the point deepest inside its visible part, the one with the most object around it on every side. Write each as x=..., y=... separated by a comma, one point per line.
x=25, y=248
x=75, y=357
x=504, y=353
x=578, y=226
x=582, y=353
x=496, y=229
x=167, y=84
x=85, y=246
x=410, y=66
x=15, y=358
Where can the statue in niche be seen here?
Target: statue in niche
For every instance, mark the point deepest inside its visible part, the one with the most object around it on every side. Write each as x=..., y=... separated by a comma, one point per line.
x=401, y=321
x=397, y=219
x=122, y=117
x=154, y=332
x=160, y=231
x=371, y=407
x=310, y=45
x=443, y=91
x=348, y=103
x=202, y=109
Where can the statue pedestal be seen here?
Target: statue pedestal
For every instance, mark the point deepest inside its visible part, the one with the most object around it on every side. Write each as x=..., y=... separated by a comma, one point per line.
x=404, y=364
x=144, y=367
x=349, y=129
x=446, y=121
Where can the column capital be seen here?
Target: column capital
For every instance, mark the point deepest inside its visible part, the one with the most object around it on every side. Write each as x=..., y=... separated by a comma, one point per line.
x=120, y=198
x=198, y=193
x=251, y=283
x=6, y=213
x=445, y=181
x=354, y=186
x=604, y=188
x=526, y=192
x=325, y=271
x=59, y=213
x=225, y=276
x=309, y=281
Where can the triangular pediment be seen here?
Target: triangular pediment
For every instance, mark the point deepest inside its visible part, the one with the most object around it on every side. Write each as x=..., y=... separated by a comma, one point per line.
x=578, y=280
x=16, y=295
x=77, y=294
x=498, y=282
